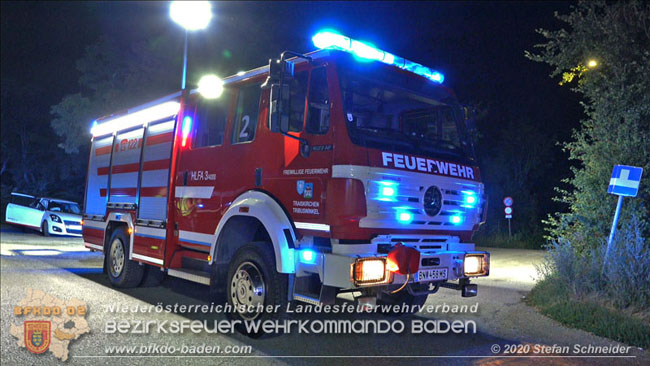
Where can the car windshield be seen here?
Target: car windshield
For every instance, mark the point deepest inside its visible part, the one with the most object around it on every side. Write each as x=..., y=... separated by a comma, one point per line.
x=383, y=110
x=65, y=207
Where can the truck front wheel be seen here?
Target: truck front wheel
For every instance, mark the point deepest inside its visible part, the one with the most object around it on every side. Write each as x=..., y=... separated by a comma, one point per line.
x=256, y=291
x=122, y=272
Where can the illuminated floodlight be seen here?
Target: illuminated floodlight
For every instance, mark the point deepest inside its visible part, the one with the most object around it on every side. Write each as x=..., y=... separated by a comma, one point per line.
x=191, y=15
x=456, y=220
x=210, y=86
x=138, y=118
x=329, y=39
x=592, y=63
x=472, y=264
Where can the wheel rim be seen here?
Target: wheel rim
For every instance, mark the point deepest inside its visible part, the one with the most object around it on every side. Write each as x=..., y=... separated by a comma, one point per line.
x=117, y=257
x=247, y=288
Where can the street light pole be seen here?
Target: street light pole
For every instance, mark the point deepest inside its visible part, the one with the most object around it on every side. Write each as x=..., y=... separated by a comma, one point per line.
x=191, y=15
x=184, y=63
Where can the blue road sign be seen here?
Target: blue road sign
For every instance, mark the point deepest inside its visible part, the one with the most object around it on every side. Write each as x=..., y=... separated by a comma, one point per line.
x=625, y=180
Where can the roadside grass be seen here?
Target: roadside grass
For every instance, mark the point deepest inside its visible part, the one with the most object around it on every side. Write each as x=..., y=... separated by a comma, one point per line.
x=501, y=240
x=551, y=297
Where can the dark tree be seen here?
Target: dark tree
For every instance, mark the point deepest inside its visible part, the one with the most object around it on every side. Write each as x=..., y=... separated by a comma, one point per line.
x=615, y=85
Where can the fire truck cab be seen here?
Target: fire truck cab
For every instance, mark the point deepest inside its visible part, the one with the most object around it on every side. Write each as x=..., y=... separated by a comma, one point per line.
x=347, y=169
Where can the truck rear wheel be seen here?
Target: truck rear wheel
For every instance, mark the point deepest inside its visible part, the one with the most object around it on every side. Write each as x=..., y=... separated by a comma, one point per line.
x=254, y=283
x=152, y=276
x=122, y=272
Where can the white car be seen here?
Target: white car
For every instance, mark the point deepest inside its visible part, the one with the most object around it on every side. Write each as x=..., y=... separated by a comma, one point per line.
x=50, y=216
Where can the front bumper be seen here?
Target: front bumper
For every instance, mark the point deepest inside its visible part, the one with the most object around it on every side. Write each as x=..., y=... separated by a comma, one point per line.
x=68, y=229
x=338, y=270
x=438, y=264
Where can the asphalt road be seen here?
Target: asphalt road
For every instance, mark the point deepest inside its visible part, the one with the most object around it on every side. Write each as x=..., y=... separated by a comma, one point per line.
x=63, y=268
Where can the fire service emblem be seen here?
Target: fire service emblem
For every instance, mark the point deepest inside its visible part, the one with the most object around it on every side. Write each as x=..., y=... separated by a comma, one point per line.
x=37, y=336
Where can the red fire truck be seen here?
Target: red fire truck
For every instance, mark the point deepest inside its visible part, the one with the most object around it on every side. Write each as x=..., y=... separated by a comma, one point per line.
x=348, y=169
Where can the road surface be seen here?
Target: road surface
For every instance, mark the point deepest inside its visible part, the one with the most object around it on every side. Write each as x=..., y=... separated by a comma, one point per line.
x=63, y=268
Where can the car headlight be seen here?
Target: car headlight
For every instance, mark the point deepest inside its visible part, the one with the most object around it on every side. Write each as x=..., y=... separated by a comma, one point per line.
x=55, y=218
x=476, y=264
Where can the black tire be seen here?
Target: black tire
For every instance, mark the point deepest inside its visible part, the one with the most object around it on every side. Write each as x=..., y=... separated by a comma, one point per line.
x=130, y=273
x=45, y=230
x=152, y=277
x=218, y=279
x=401, y=298
x=249, y=258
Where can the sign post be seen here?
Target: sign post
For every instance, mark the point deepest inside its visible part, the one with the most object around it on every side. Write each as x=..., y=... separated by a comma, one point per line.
x=508, y=211
x=624, y=182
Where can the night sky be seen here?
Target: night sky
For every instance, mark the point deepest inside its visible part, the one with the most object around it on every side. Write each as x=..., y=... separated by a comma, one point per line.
x=479, y=47
x=470, y=42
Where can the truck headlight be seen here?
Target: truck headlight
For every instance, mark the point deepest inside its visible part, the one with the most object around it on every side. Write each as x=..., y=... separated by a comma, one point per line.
x=476, y=264
x=55, y=218
x=370, y=271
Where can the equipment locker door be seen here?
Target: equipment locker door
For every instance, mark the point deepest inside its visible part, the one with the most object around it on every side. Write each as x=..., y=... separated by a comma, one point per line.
x=150, y=233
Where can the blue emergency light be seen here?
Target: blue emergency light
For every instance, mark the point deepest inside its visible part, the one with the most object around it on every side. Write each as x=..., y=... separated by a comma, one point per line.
x=333, y=40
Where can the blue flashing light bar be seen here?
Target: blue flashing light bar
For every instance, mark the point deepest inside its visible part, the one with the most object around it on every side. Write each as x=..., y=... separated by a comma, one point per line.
x=333, y=40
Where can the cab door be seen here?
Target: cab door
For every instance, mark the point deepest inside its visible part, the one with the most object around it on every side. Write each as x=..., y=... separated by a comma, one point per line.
x=198, y=180
x=305, y=174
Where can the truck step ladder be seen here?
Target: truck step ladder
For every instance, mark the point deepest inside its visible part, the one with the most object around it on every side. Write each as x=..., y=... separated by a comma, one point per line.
x=192, y=266
x=190, y=275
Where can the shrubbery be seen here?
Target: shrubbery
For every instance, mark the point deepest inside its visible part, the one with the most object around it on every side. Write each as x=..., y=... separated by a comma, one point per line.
x=608, y=299
x=623, y=282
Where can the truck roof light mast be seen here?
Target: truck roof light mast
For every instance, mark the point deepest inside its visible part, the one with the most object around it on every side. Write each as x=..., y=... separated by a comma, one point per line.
x=329, y=39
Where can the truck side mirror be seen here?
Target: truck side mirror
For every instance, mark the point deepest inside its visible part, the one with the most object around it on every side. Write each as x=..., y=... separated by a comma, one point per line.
x=279, y=108
x=469, y=116
x=280, y=74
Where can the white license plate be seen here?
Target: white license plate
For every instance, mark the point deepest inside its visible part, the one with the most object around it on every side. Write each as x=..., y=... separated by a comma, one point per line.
x=431, y=274
x=73, y=227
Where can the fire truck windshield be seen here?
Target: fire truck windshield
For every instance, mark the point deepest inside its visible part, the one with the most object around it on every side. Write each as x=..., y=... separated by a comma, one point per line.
x=386, y=110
